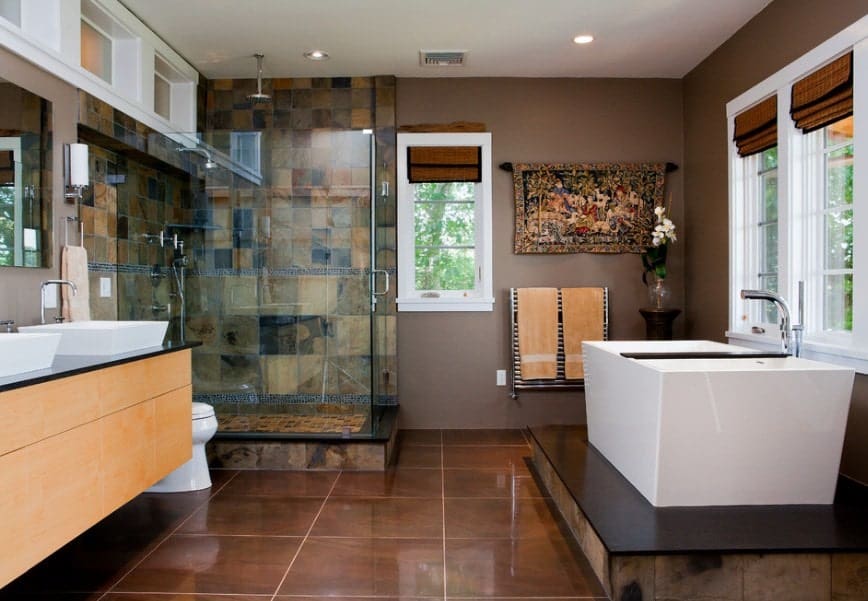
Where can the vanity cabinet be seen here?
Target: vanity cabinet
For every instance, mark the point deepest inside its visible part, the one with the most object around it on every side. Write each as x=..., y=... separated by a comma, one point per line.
x=76, y=448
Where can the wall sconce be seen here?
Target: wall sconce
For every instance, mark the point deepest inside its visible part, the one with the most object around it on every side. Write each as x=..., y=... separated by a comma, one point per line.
x=77, y=176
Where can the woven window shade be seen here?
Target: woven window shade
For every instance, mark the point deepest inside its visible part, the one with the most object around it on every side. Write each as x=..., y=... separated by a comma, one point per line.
x=824, y=96
x=444, y=164
x=756, y=129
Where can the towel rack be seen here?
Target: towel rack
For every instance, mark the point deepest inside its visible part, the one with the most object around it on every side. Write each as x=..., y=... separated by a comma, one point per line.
x=560, y=382
x=67, y=221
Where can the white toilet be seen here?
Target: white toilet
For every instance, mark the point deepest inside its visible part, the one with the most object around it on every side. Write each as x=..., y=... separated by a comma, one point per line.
x=193, y=475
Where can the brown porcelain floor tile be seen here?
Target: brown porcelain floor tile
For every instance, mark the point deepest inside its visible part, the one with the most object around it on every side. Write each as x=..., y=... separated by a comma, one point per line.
x=8, y=595
x=397, y=482
x=354, y=598
x=219, y=477
x=502, y=457
x=240, y=565
x=530, y=567
x=181, y=597
x=379, y=517
x=484, y=437
x=419, y=456
x=419, y=437
x=264, y=516
x=499, y=518
x=367, y=566
x=491, y=483
x=280, y=483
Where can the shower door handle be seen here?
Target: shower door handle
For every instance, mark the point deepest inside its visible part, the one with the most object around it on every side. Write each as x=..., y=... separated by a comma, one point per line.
x=386, y=275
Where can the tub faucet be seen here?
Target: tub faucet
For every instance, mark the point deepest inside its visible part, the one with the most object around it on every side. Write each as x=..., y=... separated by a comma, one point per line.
x=42, y=293
x=791, y=335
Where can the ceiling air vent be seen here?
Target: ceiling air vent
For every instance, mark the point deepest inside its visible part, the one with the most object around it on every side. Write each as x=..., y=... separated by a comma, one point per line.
x=442, y=58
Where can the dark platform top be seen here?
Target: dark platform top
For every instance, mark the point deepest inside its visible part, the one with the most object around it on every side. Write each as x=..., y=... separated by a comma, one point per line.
x=705, y=355
x=628, y=524
x=70, y=365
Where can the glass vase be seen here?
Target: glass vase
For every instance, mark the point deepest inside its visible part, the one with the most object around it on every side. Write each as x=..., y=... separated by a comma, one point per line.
x=658, y=292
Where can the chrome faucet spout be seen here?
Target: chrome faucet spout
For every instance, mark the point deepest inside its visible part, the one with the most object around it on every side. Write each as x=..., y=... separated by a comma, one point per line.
x=783, y=312
x=42, y=293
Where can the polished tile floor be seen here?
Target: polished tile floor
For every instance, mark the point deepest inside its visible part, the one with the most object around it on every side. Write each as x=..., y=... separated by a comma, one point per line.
x=459, y=517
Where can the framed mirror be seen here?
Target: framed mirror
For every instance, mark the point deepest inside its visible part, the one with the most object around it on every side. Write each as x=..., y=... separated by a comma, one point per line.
x=25, y=177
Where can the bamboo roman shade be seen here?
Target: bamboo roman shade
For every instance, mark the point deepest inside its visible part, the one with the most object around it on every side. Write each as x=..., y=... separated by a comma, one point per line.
x=824, y=96
x=444, y=164
x=756, y=129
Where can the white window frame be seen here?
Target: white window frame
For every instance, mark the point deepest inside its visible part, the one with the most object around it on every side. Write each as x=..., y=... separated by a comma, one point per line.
x=799, y=235
x=410, y=299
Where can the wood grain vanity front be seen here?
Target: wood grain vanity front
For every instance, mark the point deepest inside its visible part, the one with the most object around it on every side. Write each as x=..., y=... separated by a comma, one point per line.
x=77, y=448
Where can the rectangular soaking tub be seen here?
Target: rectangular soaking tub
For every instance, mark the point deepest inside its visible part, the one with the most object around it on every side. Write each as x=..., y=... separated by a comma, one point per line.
x=717, y=431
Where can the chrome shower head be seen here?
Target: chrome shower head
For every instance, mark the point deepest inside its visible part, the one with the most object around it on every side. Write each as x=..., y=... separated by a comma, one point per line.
x=209, y=162
x=259, y=96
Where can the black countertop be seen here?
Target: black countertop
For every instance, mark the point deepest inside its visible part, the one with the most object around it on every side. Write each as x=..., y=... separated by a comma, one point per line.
x=70, y=365
x=628, y=524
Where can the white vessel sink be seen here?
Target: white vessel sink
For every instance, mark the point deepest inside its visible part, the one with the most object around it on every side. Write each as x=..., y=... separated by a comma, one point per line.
x=20, y=353
x=104, y=337
x=717, y=431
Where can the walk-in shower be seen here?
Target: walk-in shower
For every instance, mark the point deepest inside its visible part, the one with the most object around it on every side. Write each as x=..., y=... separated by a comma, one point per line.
x=262, y=238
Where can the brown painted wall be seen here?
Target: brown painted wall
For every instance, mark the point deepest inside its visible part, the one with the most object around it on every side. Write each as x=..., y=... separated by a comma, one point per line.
x=447, y=361
x=19, y=286
x=781, y=33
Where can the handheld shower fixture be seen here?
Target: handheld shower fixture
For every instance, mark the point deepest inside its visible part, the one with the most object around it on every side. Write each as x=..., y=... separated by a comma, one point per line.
x=259, y=96
x=209, y=162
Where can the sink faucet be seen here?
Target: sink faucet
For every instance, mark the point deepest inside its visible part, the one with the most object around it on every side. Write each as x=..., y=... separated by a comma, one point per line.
x=791, y=334
x=42, y=293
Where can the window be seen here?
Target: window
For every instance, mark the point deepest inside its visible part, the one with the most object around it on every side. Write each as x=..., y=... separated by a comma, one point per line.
x=96, y=51
x=838, y=226
x=767, y=224
x=795, y=213
x=444, y=222
x=162, y=96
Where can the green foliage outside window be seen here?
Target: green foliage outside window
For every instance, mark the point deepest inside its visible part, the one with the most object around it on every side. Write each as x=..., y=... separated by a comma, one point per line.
x=445, y=236
x=839, y=239
x=7, y=225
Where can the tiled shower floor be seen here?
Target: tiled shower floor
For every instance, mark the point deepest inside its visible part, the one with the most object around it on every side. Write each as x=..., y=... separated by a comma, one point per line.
x=287, y=423
x=459, y=517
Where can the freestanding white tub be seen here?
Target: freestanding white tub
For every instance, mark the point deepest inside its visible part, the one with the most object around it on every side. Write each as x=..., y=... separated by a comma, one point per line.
x=723, y=431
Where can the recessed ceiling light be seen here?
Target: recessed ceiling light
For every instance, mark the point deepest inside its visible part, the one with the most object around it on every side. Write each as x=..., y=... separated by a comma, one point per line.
x=316, y=55
x=583, y=39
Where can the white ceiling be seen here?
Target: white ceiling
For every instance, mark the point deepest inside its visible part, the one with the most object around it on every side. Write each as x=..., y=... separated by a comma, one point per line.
x=503, y=38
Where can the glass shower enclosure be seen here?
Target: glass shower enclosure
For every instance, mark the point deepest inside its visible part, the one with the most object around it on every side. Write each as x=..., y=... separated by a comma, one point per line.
x=269, y=237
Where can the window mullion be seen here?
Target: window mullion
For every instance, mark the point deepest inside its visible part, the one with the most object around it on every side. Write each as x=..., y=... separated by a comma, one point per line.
x=860, y=192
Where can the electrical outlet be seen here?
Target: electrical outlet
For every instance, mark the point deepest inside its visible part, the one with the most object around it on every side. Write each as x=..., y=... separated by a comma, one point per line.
x=105, y=287
x=501, y=377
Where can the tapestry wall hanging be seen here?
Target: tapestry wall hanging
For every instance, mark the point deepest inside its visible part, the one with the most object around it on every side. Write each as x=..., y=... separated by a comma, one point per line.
x=591, y=208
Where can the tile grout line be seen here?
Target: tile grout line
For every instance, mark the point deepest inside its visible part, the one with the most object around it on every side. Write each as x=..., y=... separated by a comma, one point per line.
x=306, y=536
x=165, y=538
x=443, y=504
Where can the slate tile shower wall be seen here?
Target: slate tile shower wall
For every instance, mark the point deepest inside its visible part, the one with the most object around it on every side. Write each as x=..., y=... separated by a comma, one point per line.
x=280, y=294
x=277, y=284
x=139, y=183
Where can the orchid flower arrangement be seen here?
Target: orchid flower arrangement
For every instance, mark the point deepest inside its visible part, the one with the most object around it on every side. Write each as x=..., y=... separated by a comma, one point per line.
x=654, y=257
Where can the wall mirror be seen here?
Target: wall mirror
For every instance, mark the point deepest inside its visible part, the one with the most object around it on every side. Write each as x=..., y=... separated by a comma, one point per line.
x=25, y=177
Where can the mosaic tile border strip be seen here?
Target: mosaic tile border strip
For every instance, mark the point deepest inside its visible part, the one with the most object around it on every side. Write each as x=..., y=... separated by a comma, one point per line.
x=254, y=398
x=97, y=267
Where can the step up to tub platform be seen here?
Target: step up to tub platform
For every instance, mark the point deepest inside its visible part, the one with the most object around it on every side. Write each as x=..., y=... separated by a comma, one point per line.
x=308, y=451
x=736, y=553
